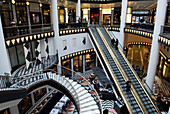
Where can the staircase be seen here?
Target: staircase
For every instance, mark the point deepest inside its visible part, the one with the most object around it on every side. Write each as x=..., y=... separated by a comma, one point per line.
x=85, y=101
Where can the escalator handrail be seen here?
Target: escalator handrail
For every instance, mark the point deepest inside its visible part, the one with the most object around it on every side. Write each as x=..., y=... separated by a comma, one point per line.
x=130, y=66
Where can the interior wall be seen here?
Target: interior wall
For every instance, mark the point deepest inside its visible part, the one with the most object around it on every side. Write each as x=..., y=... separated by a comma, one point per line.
x=69, y=42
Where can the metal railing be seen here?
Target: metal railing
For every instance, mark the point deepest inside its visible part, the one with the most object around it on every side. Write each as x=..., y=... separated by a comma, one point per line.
x=83, y=81
x=12, y=82
x=17, y=30
x=48, y=63
x=26, y=81
x=143, y=26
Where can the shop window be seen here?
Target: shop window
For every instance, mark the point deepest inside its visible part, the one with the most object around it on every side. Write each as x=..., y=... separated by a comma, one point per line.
x=85, y=15
x=61, y=16
x=46, y=13
x=35, y=17
x=76, y=63
x=81, y=63
x=5, y=111
x=67, y=64
x=25, y=104
x=90, y=61
x=166, y=71
x=40, y=93
x=21, y=13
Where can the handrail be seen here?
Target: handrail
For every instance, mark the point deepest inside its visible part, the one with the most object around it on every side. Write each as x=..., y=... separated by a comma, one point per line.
x=51, y=57
x=113, y=75
x=27, y=25
x=122, y=71
x=130, y=66
x=51, y=71
x=38, y=102
x=90, y=86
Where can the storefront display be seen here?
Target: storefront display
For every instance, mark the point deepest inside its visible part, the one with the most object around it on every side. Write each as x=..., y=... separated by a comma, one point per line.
x=25, y=104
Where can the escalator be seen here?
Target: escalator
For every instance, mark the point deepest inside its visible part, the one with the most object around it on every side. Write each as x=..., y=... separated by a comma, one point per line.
x=136, y=100
x=139, y=88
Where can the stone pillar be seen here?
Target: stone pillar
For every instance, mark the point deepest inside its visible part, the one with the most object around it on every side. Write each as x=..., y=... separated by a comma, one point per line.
x=5, y=66
x=160, y=20
x=28, y=17
x=14, y=110
x=66, y=14
x=78, y=11
x=84, y=63
x=55, y=41
x=14, y=13
x=123, y=22
x=112, y=16
x=100, y=16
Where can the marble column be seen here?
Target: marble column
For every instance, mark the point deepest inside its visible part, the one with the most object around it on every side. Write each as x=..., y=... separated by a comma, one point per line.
x=5, y=66
x=154, y=53
x=78, y=11
x=123, y=22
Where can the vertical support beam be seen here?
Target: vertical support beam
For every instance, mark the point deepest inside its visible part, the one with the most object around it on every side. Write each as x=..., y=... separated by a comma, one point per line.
x=32, y=99
x=56, y=41
x=100, y=16
x=72, y=66
x=84, y=63
x=54, y=20
x=5, y=66
x=14, y=110
x=160, y=20
x=14, y=13
x=78, y=11
x=112, y=16
x=28, y=17
x=123, y=22
x=66, y=14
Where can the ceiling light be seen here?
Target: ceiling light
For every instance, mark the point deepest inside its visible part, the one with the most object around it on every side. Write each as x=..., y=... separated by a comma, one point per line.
x=13, y=1
x=27, y=3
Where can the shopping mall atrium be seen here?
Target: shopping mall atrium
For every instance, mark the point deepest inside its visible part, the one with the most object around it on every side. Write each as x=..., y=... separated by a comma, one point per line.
x=85, y=56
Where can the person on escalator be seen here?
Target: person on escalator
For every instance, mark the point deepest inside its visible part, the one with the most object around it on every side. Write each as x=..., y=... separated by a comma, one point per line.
x=128, y=85
x=113, y=41
x=116, y=46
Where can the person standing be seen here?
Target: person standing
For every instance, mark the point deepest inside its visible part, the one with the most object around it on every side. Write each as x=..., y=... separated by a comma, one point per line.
x=128, y=85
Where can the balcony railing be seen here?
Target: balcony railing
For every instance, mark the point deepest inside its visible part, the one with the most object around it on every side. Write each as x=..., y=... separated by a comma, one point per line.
x=13, y=31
